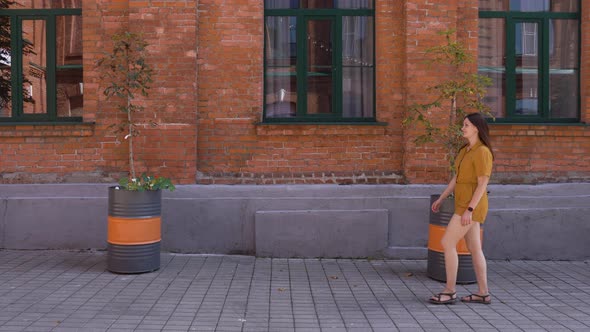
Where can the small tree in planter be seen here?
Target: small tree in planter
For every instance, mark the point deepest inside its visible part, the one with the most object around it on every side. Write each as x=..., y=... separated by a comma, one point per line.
x=128, y=75
x=134, y=228
x=455, y=97
x=461, y=93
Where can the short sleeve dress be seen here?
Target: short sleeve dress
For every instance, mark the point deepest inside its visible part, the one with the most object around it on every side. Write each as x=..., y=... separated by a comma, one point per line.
x=470, y=165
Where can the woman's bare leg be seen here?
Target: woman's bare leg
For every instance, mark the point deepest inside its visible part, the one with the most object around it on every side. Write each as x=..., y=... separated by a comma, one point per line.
x=473, y=241
x=453, y=234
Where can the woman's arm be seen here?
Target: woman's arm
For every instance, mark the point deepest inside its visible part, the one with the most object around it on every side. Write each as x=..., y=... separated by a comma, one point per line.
x=482, y=185
x=448, y=190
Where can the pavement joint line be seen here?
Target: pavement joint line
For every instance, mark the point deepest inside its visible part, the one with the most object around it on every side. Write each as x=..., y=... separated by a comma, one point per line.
x=61, y=290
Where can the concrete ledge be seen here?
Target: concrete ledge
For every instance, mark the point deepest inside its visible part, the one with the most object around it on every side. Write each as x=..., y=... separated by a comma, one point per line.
x=321, y=233
x=406, y=252
x=538, y=222
x=538, y=234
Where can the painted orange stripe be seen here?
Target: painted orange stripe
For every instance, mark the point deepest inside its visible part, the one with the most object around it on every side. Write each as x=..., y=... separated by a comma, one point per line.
x=435, y=235
x=133, y=231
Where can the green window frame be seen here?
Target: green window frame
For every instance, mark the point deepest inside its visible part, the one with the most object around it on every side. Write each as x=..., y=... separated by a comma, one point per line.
x=50, y=71
x=549, y=95
x=303, y=86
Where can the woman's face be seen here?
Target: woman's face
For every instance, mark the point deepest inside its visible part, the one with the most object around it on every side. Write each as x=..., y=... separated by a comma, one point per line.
x=468, y=129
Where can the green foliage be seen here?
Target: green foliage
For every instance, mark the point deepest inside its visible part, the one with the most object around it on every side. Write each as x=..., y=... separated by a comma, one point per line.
x=146, y=182
x=461, y=93
x=129, y=75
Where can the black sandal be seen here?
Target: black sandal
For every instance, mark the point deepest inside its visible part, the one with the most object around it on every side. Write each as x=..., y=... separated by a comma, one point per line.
x=452, y=298
x=476, y=298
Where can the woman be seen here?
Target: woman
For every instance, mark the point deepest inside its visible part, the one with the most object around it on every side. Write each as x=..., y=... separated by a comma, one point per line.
x=474, y=167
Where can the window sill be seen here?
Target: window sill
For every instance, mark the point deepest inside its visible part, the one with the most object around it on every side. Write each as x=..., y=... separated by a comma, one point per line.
x=537, y=124
x=45, y=129
x=300, y=123
x=320, y=129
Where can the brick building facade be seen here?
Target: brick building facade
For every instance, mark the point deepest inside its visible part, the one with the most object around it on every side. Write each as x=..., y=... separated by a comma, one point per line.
x=208, y=100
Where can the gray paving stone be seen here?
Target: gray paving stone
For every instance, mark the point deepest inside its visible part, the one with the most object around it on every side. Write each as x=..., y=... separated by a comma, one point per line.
x=67, y=291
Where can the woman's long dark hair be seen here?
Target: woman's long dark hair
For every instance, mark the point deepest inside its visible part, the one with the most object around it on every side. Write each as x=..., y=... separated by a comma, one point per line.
x=483, y=131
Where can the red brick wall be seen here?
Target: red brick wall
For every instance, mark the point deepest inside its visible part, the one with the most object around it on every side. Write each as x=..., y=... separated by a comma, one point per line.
x=207, y=102
x=89, y=152
x=548, y=153
x=524, y=153
x=234, y=148
x=424, y=18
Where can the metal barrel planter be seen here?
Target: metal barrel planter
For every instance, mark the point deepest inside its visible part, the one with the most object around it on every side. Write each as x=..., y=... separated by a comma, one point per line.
x=134, y=230
x=436, y=257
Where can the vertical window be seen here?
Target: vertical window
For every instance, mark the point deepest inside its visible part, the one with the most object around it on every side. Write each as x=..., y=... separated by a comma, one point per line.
x=41, y=61
x=530, y=49
x=319, y=60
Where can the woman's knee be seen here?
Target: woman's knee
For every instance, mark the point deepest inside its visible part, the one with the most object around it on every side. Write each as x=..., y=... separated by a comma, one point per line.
x=448, y=243
x=474, y=248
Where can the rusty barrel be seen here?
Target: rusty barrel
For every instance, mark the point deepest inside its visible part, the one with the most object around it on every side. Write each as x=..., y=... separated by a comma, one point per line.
x=436, y=257
x=134, y=230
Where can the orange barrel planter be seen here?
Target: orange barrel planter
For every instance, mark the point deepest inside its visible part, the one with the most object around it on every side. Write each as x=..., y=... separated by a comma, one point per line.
x=134, y=230
x=436, y=257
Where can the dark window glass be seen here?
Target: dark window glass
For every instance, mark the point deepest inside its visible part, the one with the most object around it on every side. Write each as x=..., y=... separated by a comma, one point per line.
x=319, y=4
x=491, y=63
x=45, y=68
x=319, y=65
x=532, y=58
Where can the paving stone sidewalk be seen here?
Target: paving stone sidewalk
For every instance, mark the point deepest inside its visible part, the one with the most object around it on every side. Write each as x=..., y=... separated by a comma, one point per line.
x=72, y=291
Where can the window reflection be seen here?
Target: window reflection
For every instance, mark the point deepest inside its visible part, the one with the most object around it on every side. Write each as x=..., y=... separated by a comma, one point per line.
x=5, y=68
x=563, y=69
x=34, y=67
x=491, y=63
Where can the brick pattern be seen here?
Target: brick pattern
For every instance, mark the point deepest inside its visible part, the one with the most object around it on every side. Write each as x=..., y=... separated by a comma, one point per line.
x=234, y=148
x=207, y=104
x=426, y=163
x=90, y=152
x=524, y=153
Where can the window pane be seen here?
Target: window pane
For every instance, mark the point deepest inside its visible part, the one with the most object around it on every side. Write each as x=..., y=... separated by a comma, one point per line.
x=527, y=70
x=70, y=86
x=51, y=4
x=70, y=91
x=281, y=41
x=529, y=5
x=318, y=4
x=330, y=4
x=69, y=40
x=563, y=68
x=492, y=53
x=357, y=62
x=319, y=66
x=281, y=92
x=355, y=4
x=281, y=63
x=357, y=41
x=493, y=5
x=281, y=4
x=34, y=66
x=565, y=5
x=357, y=92
x=5, y=63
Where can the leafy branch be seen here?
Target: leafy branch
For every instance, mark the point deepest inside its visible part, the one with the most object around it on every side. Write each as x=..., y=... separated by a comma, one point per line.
x=461, y=93
x=129, y=75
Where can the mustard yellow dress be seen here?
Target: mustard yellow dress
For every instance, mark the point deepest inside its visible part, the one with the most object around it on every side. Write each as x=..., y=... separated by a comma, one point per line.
x=469, y=165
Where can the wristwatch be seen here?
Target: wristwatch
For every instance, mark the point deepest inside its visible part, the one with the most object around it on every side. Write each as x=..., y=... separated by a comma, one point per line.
x=470, y=209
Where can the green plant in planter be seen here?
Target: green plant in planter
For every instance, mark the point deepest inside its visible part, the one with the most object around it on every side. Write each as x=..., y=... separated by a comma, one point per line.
x=461, y=93
x=128, y=75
